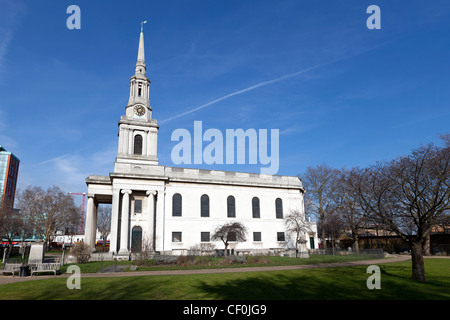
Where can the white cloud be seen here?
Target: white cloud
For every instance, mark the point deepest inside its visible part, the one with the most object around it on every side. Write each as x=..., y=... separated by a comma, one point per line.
x=9, y=13
x=69, y=171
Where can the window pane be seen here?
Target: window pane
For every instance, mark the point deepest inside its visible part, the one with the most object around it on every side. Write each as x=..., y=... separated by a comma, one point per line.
x=137, y=206
x=176, y=236
x=204, y=202
x=231, y=207
x=176, y=205
x=204, y=237
x=138, y=144
x=232, y=236
x=280, y=236
x=279, y=208
x=255, y=207
x=311, y=243
x=256, y=236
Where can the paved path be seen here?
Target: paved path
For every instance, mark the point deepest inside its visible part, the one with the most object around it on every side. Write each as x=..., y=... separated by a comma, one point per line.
x=10, y=279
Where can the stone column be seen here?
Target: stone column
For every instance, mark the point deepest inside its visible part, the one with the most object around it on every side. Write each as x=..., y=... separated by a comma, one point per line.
x=114, y=221
x=154, y=142
x=149, y=143
x=125, y=141
x=124, y=229
x=130, y=142
x=151, y=216
x=121, y=134
x=144, y=143
x=91, y=222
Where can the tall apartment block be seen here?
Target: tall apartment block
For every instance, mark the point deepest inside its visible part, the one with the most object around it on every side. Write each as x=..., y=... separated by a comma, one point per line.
x=9, y=170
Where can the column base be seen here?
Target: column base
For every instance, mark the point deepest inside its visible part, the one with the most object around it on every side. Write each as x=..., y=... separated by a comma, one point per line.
x=123, y=254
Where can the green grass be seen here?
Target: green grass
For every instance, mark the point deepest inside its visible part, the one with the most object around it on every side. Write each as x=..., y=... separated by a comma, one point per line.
x=326, y=283
x=216, y=263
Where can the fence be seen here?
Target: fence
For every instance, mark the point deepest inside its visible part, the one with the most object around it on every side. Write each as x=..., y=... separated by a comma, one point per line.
x=336, y=255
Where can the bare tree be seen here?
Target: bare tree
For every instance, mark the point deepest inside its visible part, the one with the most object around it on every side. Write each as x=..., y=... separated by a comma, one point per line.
x=104, y=223
x=48, y=211
x=320, y=193
x=142, y=257
x=232, y=231
x=333, y=228
x=296, y=227
x=409, y=196
x=81, y=251
x=12, y=226
x=348, y=205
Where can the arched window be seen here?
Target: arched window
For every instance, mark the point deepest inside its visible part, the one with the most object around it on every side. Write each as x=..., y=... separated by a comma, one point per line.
x=136, y=239
x=231, y=207
x=204, y=204
x=176, y=205
x=138, y=144
x=255, y=207
x=279, y=208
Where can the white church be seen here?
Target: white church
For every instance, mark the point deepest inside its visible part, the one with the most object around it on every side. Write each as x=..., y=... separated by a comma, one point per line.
x=175, y=208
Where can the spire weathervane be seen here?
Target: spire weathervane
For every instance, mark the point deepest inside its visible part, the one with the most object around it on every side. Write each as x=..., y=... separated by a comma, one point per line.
x=142, y=25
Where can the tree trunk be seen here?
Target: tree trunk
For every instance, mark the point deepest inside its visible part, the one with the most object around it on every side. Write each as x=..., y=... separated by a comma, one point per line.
x=356, y=243
x=418, y=267
x=226, y=250
x=426, y=245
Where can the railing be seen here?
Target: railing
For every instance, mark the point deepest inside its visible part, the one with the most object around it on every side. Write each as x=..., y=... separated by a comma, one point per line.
x=333, y=254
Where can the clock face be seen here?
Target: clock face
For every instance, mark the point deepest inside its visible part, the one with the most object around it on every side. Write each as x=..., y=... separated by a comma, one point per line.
x=139, y=110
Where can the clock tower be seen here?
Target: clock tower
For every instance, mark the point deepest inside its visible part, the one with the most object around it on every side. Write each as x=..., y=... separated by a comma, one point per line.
x=138, y=132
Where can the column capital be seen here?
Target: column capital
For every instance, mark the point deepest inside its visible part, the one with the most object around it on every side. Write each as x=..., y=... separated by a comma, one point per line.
x=90, y=195
x=126, y=191
x=152, y=192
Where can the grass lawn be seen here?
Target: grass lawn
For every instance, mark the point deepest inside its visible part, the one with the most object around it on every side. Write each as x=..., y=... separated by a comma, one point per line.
x=327, y=283
x=217, y=262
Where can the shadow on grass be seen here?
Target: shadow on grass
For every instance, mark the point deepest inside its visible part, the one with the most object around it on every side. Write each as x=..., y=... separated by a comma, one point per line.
x=326, y=284
x=289, y=286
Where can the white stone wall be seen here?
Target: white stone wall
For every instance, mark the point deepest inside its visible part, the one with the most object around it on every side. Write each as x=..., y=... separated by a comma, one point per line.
x=191, y=224
x=192, y=184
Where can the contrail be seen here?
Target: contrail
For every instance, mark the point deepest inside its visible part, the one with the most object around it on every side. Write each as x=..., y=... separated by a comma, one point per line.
x=261, y=84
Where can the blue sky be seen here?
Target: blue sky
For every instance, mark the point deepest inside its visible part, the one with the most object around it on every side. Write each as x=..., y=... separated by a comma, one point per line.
x=338, y=92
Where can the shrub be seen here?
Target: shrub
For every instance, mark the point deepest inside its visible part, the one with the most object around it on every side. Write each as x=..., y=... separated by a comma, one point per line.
x=163, y=259
x=81, y=252
x=236, y=259
x=143, y=256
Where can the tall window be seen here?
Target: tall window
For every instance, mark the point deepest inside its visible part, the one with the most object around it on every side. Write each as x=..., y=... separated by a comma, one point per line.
x=255, y=207
x=231, y=207
x=137, y=206
x=136, y=239
x=138, y=144
x=279, y=208
x=176, y=205
x=204, y=203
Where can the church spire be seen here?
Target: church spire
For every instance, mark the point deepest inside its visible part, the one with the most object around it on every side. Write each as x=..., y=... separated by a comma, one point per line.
x=140, y=64
x=138, y=132
x=141, y=54
x=139, y=83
